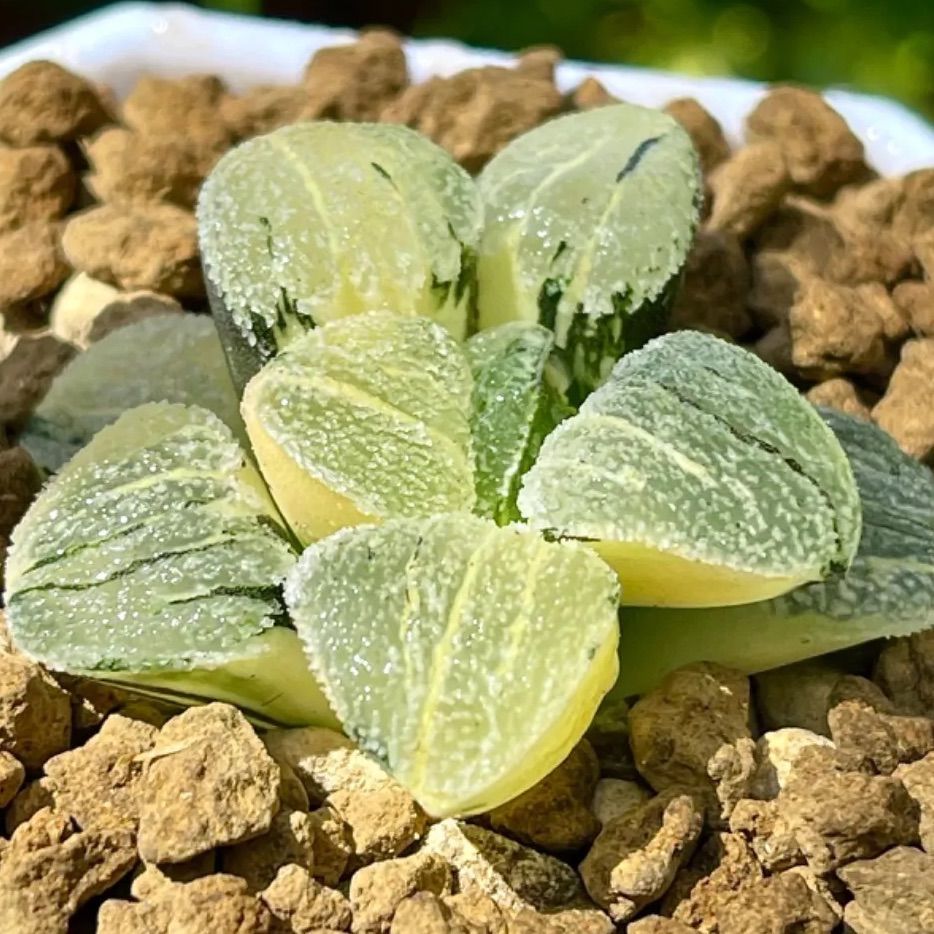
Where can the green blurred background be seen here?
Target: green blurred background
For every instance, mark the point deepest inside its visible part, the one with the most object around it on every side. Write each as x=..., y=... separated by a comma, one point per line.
x=878, y=46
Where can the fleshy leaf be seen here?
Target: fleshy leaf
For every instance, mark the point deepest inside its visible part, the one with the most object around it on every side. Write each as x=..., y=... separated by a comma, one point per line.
x=588, y=222
x=361, y=420
x=317, y=221
x=515, y=405
x=169, y=358
x=153, y=554
x=888, y=590
x=467, y=658
x=701, y=475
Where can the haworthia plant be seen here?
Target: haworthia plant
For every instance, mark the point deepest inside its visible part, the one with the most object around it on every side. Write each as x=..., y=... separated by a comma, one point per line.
x=447, y=649
x=361, y=420
x=588, y=222
x=155, y=553
x=317, y=221
x=888, y=590
x=515, y=404
x=701, y=475
x=169, y=358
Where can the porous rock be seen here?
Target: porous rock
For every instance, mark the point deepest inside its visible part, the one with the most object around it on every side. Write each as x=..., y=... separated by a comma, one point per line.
x=289, y=840
x=905, y=672
x=821, y=151
x=892, y=894
x=837, y=815
x=150, y=246
x=305, y=905
x=718, y=870
x=748, y=188
x=35, y=713
x=555, y=814
x=636, y=856
x=514, y=876
x=476, y=112
x=100, y=783
x=49, y=870
x=615, y=796
x=12, y=774
x=36, y=184
x=208, y=782
x=680, y=724
x=41, y=102
x=884, y=740
x=713, y=292
x=906, y=411
x=31, y=263
x=376, y=891
x=355, y=81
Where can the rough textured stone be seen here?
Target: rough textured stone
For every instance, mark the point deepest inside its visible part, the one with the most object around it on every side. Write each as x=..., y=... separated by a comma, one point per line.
x=289, y=840
x=476, y=112
x=556, y=813
x=31, y=799
x=838, y=329
x=383, y=822
x=100, y=783
x=918, y=779
x=748, y=188
x=129, y=167
x=733, y=768
x=776, y=753
x=776, y=905
x=376, y=891
x=837, y=815
x=12, y=774
x=152, y=246
x=41, y=102
x=208, y=782
x=324, y=761
x=821, y=151
x=36, y=184
x=304, y=905
x=635, y=858
x=263, y=109
x=212, y=903
x=713, y=292
x=679, y=725
x=801, y=695
x=333, y=845
x=915, y=300
x=514, y=876
x=31, y=263
x=180, y=108
x=35, y=713
x=615, y=796
x=906, y=411
x=905, y=672
x=719, y=869
x=885, y=741
x=48, y=871
x=892, y=894
x=355, y=81
x=25, y=376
